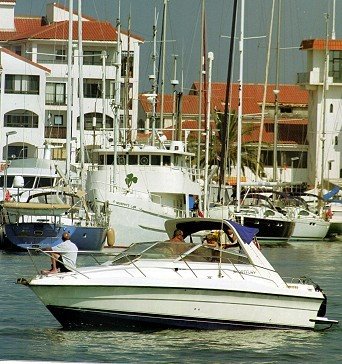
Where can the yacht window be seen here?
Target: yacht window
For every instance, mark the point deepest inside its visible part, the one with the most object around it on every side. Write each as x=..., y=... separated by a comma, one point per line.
x=43, y=182
x=155, y=160
x=144, y=160
x=133, y=160
x=121, y=160
x=166, y=160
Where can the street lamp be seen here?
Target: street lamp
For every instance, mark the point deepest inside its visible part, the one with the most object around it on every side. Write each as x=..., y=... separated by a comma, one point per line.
x=5, y=175
x=292, y=173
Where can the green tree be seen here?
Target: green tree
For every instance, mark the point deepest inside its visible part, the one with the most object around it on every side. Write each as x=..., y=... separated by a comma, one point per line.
x=248, y=149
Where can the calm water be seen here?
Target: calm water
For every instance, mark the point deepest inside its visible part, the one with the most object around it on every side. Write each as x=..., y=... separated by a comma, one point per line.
x=29, y=332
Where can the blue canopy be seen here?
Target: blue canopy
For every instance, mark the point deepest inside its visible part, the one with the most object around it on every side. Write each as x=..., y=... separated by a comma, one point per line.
x=247, y=233
x=331, y=193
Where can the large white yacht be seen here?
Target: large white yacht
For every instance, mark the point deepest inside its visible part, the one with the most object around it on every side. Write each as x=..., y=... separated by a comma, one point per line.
x=147, y=185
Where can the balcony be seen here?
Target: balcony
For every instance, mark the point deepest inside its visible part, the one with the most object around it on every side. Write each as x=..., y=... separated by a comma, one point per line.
x=309, y=78
x=55, y=132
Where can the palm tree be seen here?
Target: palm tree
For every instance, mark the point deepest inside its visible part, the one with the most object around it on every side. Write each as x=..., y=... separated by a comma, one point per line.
x=248, y=153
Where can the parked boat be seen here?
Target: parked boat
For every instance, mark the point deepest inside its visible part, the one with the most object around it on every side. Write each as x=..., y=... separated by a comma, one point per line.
x=147, y=185
x=257, y=211
x=308, y=224
x=41, y=221
x=167, y=284
x=24, y=176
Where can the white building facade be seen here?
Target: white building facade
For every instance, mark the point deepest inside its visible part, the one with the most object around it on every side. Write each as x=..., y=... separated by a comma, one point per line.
x=39, y=46
x=323, y=80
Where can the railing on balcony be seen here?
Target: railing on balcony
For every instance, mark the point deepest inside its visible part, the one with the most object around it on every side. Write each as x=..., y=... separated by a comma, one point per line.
x=303, y=77
x=56, y=132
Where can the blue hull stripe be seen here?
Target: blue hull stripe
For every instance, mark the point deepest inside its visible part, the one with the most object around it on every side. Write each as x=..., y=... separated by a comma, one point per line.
x=71, y=318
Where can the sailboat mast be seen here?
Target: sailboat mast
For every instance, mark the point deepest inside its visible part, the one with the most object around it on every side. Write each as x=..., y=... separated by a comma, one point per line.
x=263, y=107
x=226, y=121
x=207, y=134
x=163, y=67
x=200, y=87
x=333, y=33
x=276, y=103
x=69, y=93
x=325, y=88
x=80, y=86
x=116, y=104
x=154, y=78
x=239, y=118
x=127, y=131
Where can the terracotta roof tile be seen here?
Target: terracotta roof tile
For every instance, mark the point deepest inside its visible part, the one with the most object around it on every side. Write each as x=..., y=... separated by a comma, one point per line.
x=32, y=28
x=22, y=25
x=253, y=95
x=319, y=44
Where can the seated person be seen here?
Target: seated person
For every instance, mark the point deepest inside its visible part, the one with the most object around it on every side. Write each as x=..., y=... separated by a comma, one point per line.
x=211, y=240
x=232, y=240
x=64, y=252
x=178, y=236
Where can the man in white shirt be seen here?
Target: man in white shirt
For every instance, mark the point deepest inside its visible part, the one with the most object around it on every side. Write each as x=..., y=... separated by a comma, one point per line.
x=63, y=256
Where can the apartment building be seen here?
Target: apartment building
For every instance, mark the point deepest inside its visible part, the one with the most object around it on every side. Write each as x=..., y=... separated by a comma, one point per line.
x=34, y=81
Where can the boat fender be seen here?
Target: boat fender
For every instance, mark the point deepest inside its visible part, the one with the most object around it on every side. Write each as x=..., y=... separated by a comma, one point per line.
x=328, y=214
x=256, y=243
x=110, y=237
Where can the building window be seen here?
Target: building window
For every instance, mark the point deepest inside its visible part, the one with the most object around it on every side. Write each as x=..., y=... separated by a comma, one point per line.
x=92, y=88
x=285, y=109
x=335, y=65
x=55, y=93
x=127, y=64
x=17, y=50
x=93, y=58
x=88, y=121
x=336, y=140
x=15, y=151
x=21, y=84
x=58, y=119
x=331, y=108
x=21, y=119
x=61, y=56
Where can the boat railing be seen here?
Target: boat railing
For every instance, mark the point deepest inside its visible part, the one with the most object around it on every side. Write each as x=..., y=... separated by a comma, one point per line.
x=93, y=255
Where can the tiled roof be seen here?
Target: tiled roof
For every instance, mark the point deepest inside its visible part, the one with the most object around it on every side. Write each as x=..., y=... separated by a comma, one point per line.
x=33, y=28
x=22, y=25
x=319, y=44
x=252, y=98
x=190, y=104
x=92, y=31
x=5, y=50
x=253, y=95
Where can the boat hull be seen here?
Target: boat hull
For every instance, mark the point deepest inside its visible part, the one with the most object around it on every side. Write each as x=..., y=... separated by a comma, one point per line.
x=310, y=230
x=128, y=307
x=21, y=236
x=270, y=230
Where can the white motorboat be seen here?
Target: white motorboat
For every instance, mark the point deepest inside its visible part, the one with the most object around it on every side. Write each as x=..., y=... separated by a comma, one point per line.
x=309, y=225
x=146, y=186
x=256, y=210
x=186, y=284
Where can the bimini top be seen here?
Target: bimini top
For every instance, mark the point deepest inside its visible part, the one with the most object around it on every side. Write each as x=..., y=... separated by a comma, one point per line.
x=191, y=226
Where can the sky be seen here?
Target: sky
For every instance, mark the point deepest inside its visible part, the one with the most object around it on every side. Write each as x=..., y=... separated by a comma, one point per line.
x=300, y=19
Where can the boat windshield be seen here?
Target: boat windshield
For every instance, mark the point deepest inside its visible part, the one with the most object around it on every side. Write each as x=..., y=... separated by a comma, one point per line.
x=180, y=251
